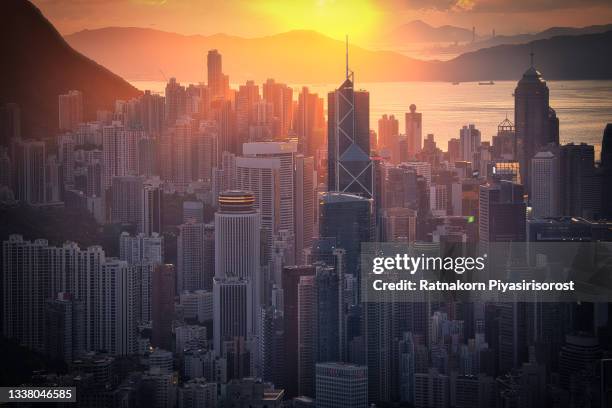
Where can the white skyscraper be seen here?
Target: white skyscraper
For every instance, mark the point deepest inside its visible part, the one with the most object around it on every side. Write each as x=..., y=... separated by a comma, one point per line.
x=305, y=205
x=285, y=152
x=237, y=266
x=261, y=176
x=545, y=185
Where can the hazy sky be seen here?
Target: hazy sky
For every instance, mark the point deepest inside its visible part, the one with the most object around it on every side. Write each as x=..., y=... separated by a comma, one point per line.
x=362, y=19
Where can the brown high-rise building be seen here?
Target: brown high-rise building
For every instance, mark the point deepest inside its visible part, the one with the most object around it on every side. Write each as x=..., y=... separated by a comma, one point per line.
x=309, y=122
x=414, y=132
x=281, y=98
x=388, y=137
x=162, y=300
x=290, y=280
x=215, y=74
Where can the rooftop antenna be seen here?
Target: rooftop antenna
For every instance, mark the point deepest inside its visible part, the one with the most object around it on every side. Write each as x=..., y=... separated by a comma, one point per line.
x=347, y=67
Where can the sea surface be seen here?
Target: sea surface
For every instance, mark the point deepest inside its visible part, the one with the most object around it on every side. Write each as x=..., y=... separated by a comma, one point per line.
x=583, y=107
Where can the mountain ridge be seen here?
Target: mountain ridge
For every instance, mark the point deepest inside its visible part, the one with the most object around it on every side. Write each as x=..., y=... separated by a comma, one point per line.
x=43, y=66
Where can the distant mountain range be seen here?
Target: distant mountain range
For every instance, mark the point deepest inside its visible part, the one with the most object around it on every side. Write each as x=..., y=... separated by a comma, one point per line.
x=525, y=38
x=38, y=65
x=420, y=32
x=302, y=57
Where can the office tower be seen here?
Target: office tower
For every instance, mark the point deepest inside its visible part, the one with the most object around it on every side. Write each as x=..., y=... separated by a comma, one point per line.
x=399, y=225
x=606, y=168
x=215, y=74
x=152, y=113
x=246, y=98
x=545, y=184
x=29, y=172
x=176, y=153
x=206, y=150
x=26, y=276
x=347, y=220
x=535, y=123
x=504, y=141
x=197, y=393
x=285, y=152
x=261, y=176
x=237, y=250
x=176, y=101
x=194, y=256
x=304, y=205
x=501, y=213
x=340, y=385
x=162, y=310
x=6, y=171
x=232, y=311
x=400, y=187
x=271, y=345
x=66, y=156
x=309, y=121
x=64, y=327
x=197, y=305
x=70, y=110
x=237, y=232
x=10, y=123
x=580, y=351
x=432, y=390
x=114, y=146
x=193, y=211
x=148, y=157
x=469, y=141
x=414, y=132
x=281, y=98
x=330, y=314
x=116, y=314
x=306, y=336
x=580, y=188
x=141, y=248
x=225, y=117
x=152, y=207
x=126, y=205
x=454, y=150
x=290, y=281
x=388, y=138
x=348, y=137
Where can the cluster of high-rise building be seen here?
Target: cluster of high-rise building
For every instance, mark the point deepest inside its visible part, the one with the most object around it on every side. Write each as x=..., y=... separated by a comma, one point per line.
x=234, y=273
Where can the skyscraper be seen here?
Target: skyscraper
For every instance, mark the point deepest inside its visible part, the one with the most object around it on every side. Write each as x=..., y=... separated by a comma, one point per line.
x=280, y=96
x=414, y=132
x=581, y=188
x=536, y=123
x=308, y=122
x=348, y=137
x=176, y=101
x=162, y=300
x=194, y=263
x=469, y=142
x=606, y=166
x=347, y=220
x=388, y=137
x=291, y=311
x=306, y=334
x=305, y=205
x=29, y=161
x=152, y=203
x=215, y=74
x=545, y=182
x=70, y=110
x=127, y=196
x=340, y=385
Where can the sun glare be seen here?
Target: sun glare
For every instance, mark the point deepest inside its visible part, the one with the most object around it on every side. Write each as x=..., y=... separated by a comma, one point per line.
x=334, y=18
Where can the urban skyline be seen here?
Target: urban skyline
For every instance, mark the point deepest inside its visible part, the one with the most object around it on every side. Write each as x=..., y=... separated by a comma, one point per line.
x=210, y=250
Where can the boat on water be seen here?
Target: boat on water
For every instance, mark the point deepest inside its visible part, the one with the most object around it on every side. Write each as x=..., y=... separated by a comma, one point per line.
x=487, y=83
x=456, y=83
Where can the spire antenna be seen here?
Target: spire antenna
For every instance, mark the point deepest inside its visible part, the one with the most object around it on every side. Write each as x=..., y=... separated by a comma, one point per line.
x=347, y=65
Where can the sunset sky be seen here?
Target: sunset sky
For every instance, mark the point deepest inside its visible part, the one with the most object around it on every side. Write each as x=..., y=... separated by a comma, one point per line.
x=363, y=20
